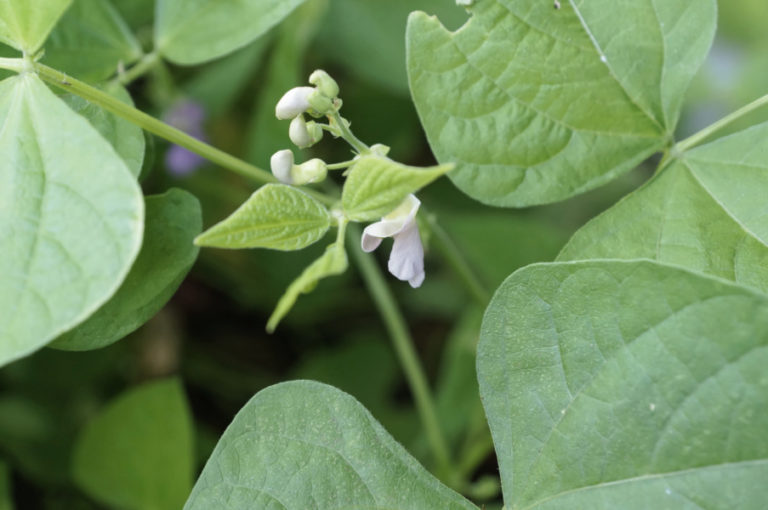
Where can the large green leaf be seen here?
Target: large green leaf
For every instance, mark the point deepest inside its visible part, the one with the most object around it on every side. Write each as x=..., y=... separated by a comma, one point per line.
x=138, y=453
x=650, y=393
x=25, y=24
x=71, y=218
x=193, y=31
x=276, y=216
x=706, y=211
x=307, y=445
x=376, y=185
x=536, y=104
x=173, y=220
x=91, y=41
x=126, y=137
x=6, y=502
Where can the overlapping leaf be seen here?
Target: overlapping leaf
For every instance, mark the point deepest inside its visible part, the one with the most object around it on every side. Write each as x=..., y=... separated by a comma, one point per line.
x=706, y=211
x=536, y=104
x=306, y=445
x=167, y=254
x=193, y=31
x=376, y=185
x=25, y=24
x=138, y=453
x=276, y=216
x=626, y=384
x=91, y=41
x=127, y=138
x=71, y=218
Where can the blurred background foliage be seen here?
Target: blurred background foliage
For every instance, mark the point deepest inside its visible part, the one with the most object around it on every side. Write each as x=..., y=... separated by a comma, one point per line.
x=211, y=336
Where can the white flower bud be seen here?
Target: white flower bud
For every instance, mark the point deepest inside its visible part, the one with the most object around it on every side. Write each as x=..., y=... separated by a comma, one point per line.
x=298, y=133
x=282, y=164
x=314, y=170
x=293, y=103
x=324, y=83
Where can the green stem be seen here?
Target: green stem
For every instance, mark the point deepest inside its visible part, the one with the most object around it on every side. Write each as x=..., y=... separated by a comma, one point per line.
x=458, y=263
x=342, y=165
x=720, y=124
x=347, y=135
x=147, y=63
x=149, y=123
x=401, y=338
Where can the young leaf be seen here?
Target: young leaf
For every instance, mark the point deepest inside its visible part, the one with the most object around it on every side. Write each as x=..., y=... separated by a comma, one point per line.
x=650, y=394
x=706, y=211
x=375, y=186
x=190, y=32
x=25, y=24
x=126, y=138
x=6, y=500
x=536, y=104
x=71, y=218
x=303, y=444
x=137, y=454
x=332, y=262
x=90, y=41
x=276, y=216
x=173, y=219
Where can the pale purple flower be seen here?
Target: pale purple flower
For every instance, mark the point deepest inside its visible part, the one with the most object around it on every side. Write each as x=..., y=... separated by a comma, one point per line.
x=406, y=260
x=187, y=116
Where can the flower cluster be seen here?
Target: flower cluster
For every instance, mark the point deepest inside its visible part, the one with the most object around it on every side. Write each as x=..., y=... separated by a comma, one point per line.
x=406, y=260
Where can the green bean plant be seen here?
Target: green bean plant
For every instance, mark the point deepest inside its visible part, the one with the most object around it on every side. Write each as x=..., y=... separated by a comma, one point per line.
x=629, y=373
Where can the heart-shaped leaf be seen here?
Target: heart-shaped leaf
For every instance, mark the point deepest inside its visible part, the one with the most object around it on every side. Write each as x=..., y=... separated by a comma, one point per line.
x=189, y=32
x=626, y=384
x=706, y=211
x=276, y=216
x=307, y=445
x=173, y=220
x=138, y=453
x=25, y=24
x=536, y=104
x=71, y=218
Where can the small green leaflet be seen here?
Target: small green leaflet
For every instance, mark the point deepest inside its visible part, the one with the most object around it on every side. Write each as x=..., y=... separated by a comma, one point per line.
x=167, y=254
x=276, y=216
x=25, y=24
x=71, y=218
x=126, y=137
x=332, y=262
x=376, y=185
x=138, y=453
x=189, y=32
x=652, y=393
x=536, y=104
x=304, y=445
x=90, y=41
x=706, y=211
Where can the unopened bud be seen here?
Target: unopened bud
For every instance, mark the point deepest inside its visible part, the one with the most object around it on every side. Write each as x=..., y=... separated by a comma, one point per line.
x=304, y=134
x=319, y=103
x=380, y=149
x=294, y=102
x=324, y=83
x=314, y=170
x=281, y=164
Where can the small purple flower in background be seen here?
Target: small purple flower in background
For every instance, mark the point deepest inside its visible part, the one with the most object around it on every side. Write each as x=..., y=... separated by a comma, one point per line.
x=189, y=117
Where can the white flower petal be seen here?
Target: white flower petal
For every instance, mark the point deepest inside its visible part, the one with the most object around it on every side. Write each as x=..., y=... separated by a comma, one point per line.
x=293, y=103
x=417, y=280
x=406, y=262
x=298, y=133
x=369, y=242
x=281, y=164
